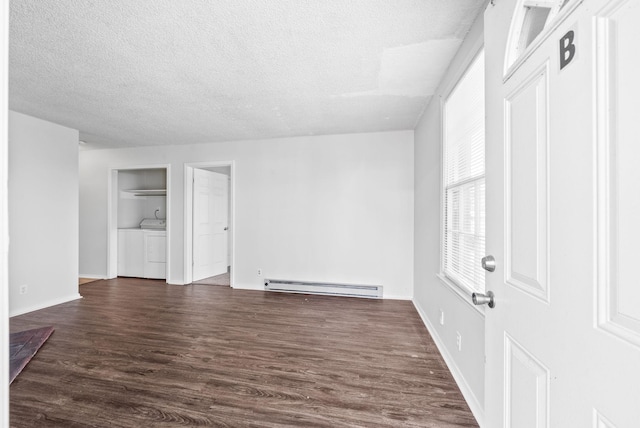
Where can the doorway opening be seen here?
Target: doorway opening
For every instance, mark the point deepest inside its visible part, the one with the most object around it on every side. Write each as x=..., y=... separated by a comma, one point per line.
x=209, y=219
x=139, y=222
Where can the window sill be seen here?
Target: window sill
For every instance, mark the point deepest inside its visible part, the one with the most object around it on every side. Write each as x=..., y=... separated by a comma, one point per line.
x=463, y=294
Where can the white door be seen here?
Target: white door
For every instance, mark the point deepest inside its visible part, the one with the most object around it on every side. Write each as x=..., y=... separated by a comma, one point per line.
x=563, y=217
x=210, y=216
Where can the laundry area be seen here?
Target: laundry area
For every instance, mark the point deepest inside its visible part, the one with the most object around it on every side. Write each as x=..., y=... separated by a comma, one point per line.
x=142, y=223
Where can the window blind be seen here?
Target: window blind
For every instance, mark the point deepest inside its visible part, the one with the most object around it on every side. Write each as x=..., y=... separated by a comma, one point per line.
x=463, y=180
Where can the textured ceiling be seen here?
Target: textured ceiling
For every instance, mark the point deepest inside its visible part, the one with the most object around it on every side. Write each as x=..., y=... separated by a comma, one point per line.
x=150, y=72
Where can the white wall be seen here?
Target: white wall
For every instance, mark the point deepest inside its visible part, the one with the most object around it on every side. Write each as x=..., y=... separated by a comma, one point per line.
x=43, y=213
x=326, y=208
x=431, y=294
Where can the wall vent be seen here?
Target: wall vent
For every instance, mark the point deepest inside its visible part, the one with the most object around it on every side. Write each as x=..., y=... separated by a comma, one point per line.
x=324, y=288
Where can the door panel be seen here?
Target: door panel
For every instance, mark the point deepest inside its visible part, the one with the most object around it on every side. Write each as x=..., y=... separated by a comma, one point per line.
x=526, y=388
x=526, y=185
x=220, y=192
x=619, y=174
x=563, y=210
x=201, y=210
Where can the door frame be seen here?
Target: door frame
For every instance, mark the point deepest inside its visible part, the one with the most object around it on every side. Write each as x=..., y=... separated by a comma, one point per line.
x=188, y=216
x=112, y=216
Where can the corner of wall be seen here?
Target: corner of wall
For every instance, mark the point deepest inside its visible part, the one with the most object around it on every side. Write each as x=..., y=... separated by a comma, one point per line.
x=431, y=295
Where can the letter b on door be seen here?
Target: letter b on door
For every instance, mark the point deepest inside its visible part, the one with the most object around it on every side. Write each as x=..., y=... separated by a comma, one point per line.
x=567, y=49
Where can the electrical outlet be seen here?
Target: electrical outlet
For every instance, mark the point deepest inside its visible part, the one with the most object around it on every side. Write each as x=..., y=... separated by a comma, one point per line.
x=24, y=289
x=459, y=340
x=441, y=317
x=259, y=272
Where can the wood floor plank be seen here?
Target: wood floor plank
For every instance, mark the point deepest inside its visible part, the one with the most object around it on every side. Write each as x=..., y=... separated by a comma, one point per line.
x=138, y=353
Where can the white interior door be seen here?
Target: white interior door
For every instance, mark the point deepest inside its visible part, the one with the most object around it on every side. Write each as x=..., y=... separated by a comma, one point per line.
x=563, y=210
x=210, y=223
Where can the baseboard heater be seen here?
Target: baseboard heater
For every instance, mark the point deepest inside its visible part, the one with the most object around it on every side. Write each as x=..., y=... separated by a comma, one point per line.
x=329, y=289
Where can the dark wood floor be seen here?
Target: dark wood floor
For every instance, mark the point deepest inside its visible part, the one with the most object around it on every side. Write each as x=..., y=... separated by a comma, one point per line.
x=139, y=353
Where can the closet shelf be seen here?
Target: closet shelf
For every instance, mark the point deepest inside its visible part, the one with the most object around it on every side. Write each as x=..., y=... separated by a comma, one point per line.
x=147, y=192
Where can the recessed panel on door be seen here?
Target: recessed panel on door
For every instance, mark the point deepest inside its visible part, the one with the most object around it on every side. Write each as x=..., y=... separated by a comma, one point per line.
x=526, y=186
x=526, y=388
x=201, y=212
x=618, y=89
x=601, y=421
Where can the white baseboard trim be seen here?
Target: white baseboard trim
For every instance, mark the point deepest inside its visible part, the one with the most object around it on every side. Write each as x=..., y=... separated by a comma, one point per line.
x=22, y=311
x=258, y=287
x=467, y=393
x=91, y=276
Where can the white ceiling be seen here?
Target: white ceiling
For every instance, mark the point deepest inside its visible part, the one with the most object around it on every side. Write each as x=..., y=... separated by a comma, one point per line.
x=150, y=72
